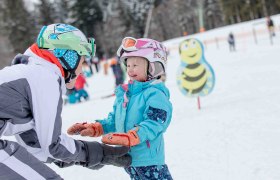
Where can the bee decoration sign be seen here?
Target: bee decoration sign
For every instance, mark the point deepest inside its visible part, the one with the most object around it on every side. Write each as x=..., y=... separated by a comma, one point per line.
x=195, y=76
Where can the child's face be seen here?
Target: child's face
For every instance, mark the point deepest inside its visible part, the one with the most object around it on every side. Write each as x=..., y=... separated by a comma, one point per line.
x=137, y=68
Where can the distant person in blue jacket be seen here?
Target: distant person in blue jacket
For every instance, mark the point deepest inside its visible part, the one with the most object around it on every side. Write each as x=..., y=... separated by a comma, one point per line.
x=231, y=42
x=141, y=112
x=117, y=70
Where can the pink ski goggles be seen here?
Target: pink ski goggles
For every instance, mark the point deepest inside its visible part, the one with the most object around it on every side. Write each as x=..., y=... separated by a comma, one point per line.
x=132, y=44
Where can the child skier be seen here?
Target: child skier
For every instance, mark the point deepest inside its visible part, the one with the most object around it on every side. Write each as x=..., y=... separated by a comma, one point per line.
x=142, y=110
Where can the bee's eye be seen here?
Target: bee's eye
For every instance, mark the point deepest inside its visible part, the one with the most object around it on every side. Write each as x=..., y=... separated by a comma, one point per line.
x=193, y=43
x=184, y=47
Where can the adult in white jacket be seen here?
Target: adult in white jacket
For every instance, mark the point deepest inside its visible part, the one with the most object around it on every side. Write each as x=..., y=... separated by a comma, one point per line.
x=31, y=104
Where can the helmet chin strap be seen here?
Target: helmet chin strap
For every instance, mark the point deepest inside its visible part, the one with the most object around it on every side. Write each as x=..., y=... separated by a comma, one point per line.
x=70, y=77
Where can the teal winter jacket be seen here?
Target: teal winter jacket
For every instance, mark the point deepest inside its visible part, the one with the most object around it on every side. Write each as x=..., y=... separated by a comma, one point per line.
x=144, y=105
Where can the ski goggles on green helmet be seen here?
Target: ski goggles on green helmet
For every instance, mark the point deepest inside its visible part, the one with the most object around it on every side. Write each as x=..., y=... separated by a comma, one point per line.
x=68, y=40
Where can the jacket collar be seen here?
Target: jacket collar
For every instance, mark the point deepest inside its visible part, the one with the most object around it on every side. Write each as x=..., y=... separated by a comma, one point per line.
x=37, y=60
x=135, y=87
x=47, y=55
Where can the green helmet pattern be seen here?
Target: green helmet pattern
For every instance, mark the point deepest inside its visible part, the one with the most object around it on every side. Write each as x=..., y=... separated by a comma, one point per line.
x=64, y=36
x=68, y=44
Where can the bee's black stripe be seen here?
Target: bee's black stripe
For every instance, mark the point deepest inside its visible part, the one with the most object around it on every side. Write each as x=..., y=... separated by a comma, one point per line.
x=192, y=79
x=195, y=91
x=193, y=66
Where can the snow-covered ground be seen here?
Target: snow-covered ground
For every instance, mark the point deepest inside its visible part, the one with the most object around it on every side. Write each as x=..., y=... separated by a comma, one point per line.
x=235, y=136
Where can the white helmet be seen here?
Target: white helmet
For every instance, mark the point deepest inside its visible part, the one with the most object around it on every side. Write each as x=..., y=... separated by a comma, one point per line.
x=149, y=49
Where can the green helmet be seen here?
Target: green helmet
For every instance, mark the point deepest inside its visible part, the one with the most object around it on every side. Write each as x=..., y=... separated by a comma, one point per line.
x=68, y=44
x=64, y=36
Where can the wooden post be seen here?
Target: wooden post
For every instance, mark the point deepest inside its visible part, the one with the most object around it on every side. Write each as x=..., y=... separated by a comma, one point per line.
x=148, y=21
x=255, y=36
x=217, y=42
x=271, y=36
x=198, y=102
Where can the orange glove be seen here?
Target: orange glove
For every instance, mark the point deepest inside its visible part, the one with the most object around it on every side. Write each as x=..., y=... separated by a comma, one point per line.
x=85, y=129
x=124, y=139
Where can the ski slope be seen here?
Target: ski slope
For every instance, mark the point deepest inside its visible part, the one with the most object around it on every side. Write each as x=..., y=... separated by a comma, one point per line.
x=235, y=135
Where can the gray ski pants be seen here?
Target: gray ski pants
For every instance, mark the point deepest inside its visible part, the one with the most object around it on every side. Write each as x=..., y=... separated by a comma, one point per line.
x=16, y=163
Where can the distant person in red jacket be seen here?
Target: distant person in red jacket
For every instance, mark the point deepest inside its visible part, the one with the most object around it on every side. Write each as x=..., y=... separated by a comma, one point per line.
x=79, y=87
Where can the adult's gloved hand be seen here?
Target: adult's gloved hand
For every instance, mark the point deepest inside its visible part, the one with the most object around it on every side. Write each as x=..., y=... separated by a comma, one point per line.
x=116, y=156
x=86, y=129
x=98, y=155
x=62, y=164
